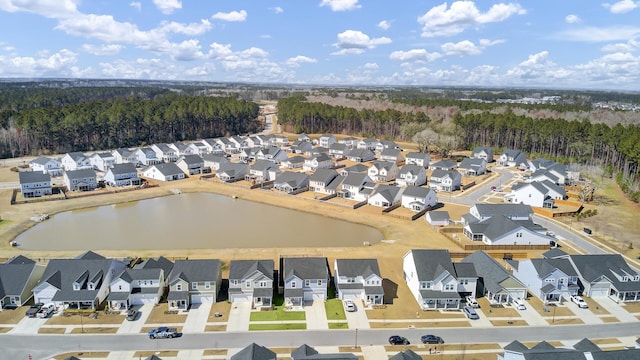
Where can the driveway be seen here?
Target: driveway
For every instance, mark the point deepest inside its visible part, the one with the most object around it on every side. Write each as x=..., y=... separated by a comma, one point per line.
x=316, y=316
x=135, y=326
x=531, y=316
x=585, y=315
x=358, y=319
x=615, y=309
x=197, y=318
x=28, y=326
x=239, y=316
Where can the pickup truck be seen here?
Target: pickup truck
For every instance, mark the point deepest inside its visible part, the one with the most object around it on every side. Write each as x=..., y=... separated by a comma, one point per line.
x=163, y=332
x=46, y=310
x=33, y=310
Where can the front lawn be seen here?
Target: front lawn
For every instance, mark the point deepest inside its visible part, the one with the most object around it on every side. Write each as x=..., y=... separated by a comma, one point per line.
x=296, y=326
x=278, y=313
x=334, y=309
x=338, y=325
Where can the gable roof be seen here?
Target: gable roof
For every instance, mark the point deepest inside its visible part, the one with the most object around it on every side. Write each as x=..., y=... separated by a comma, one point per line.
x=191, y=159
x=355, y=179
x=469, y=163
x=356, y=168
x=80, y=174
x=240, y=269
x=124, y=168
x=509, y=210
x=43, y=160
x=254, y=352
x=447, y=164
x=305, y=267
x=593, y=266
x=323, y=175
x=263, y=165
x=431, y=263
x=438, y=215
x=388, y=192
x=168, y=169
x=417, y=191
x=497, y=226
x=406, y=355
x=294, y=179
x=411, y=169
x=27, y=177
x=358, y=267
x=492, y=273
x=232, y=169
x=195, y=270
x=160, y=263
x=14, y=275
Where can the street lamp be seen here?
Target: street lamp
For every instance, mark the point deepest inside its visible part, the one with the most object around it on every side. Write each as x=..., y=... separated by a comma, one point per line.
x=81, y=324
x=356, y=345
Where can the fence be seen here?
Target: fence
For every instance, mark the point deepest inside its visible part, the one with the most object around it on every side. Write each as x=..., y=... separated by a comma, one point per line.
x=466, y=186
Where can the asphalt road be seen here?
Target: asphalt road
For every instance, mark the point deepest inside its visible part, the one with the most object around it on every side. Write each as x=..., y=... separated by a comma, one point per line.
x=45, y=346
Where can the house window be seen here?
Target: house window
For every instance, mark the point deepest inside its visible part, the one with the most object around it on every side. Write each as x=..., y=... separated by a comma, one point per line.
x=178, y=287
x=194, y=286
x=119, y=287
x=247, y=283
x=464, y=281
x=263, y=284
x=625, y=278
x=207, y=285
x=293, y=284
x=234, y=281
x=549, y=280
x=448, y=287
x=76, y=286
x=319, y=282
x=307, y=283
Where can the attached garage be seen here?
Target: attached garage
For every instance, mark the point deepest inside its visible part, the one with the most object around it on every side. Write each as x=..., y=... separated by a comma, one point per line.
x=142, y=300
x=310, y=296
x=240, y=298
x=201, y=299
x=599, y=292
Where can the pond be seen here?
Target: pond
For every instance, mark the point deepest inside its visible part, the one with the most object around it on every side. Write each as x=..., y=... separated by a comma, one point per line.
x=192, y=221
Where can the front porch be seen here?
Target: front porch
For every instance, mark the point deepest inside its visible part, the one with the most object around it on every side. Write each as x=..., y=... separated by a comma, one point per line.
x=178, y=300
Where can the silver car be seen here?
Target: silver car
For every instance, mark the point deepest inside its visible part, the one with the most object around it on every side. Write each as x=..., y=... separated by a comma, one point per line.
x=470, y=312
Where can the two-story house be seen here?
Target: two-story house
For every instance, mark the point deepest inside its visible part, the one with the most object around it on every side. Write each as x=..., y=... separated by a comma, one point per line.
x=123, y=155
x=472, y=167
x=274, y=154
x=213, y=161
x=251, y=281
x=304, y=279
x=445, y=180
x=338, y=151
x=537, y=193
x=385, y=195
x=360, y=155
x=81, y=180
x=293, y=162
x=163, y=172
x=495, y=283
x=393, y=155
x=358, y=279
x=513, y=158
x=192, y=165
x=47, y=165
x=165, y=152
x=435, y=281
x=122, y=175
x=320, y=161
x=300, y=147
x=319, y=180
x=291, y=182
x=76, y=161
x=551, y=280
x=326, y=140
x=263, y=170
x=34, y=184
x=411, y=175
x=445, y=164
x=183, y=149
x=102, y=161
x=136, y=287
x=353, y=186
x=418, y=158
x=194, y=282
x=368, y=144
x=146, y=156
x=418, y=198
x=482, y=152
x=383, y=171
x=18, y=276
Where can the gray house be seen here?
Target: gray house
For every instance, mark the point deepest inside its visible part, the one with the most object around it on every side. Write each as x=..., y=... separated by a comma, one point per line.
x=254, y=352
x=251, y=281
x=494, y=281
x=358, y=279
x=304, y=279
x=482, y=152
x=34, y=184
x=319, y=180
x=194, y=282
x=472, y=167
x=584, y=349
x=136, y=287
x=232, y=172
x=124, y=174
x=81, y=180
x=290, y=182
x=306, y=352
x=551, y=280
x=18, y=276
x=192, y=165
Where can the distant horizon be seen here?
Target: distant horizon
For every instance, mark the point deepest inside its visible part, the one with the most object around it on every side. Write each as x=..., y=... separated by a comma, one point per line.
x=570, y=44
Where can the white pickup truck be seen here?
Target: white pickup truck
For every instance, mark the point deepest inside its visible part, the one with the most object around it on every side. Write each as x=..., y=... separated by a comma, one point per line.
x=46, y=310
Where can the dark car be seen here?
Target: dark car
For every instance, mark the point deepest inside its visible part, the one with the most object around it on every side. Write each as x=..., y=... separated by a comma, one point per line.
x=398, y=340
x=132, y=314
x=33, y=310
x=431, y=339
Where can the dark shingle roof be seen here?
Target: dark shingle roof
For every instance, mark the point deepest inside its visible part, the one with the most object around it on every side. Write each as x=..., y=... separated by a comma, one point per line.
x=406, y=355
x=240, y=269
x=323, y=175
x=195, y=270
x=14, y=275
x=357, y=267
x=417, y=191
x=490, y=271
x=124, y=168
x=254, y=352
x=431, y=263
x=27, y=177
x=305, y=267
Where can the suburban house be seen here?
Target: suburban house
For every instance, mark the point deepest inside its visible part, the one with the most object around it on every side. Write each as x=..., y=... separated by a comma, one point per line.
x=291, y=182
x=146, y=156
x=247, y=155
x=382, y=145
x=82, y=180
x=445, y=180
x=435, y=281
x=385, y=196
x=584, y=349
x=473, y=166
x=227, y=146
x=546, y=169
x=202, y=148
x=304, y=279
x=163, y=172
x=18, y=276
x=262, y=170
x=304, y=137
x=78, y=283
x=306, y=352
x=361, y=155
x=446, y=165
x=411, y=175
x=123, y=155
x=320, y=161
x=319, y=180
x=339, y=151
x=160, y=263
x=418, y=198
x=352, y=186
x=406, y=355
x=539, y=194
x=165, y=152
x=502, y=230
x=102, y=161
x=273, y=154
x=34, y=184
x=47, y=165
x=279, y=140
x=136, y=287
x=482, y=152
x=300, y=147
x=213, y=147
x=551, y=280
x=357, y=168
x=513, y=158
x=326, y=140
x=358, y=279
x=383, y=171
x=239, y=142
x=437, y=218
x=232, y=172
x=393, y=155
x=494, y=281
x=214, y=162
x=76, y=161
x=350, y=141
x=368, y=144
x=183, y=149
x=192, y=165
x=254, y=351
x=194, y=282
x=122, y=175
x=418, y=158
x=251, y=281
x=293, y=162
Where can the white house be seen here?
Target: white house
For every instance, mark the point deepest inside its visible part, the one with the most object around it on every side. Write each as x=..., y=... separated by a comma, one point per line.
x=538, y=194
x=383, y=171
x=122, y=155
x=358, y=279
x=293, y=162
x=361, y=155
x=495, y=282
x=418, y=158
x=165, y=152
x=321, y=161
x=385, y=195
x=445, y=180
x=353, y=186
x=501, y=230
x=437, y=218
x=76, y=161
x=47, y=165
x=102, y=161
x=551, y=280
x=418, y=198
x=122, y=175
x=482, y=152
x=472, y=167
x=513, y=158
x=163, y=172
x=82, y=180
x=319, y=180
x=136, y=287
x=146, y=156
x=411, y=175
x=368, y=143
x=393, y=155
x=326, y=140
x=34, y=184
x=192, y=165
x=251, y=281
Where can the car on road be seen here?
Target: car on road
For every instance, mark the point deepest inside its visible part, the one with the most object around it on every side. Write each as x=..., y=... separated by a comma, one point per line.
x=470, y=312
x=163, y=332
x=519, y=304
x=398, y=340
x=132, y=314
x=33, y=310
x=349, y=305
x=471, y=301
x=578, y=300
x=431, y=339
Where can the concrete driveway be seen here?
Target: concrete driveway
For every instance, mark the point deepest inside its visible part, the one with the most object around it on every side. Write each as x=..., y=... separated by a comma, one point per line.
x=316, y=316
x=358, y=319
x=197, y=318
x=28, y=326
x=615, y=309
x=585, y=315
x=135, y=326
x=239, y=316
x=531, y=316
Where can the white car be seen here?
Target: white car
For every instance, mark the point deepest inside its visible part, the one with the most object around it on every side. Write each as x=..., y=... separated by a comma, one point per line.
x=578, y=300
x=519, y=304
x=471, y=301
x=349, y=306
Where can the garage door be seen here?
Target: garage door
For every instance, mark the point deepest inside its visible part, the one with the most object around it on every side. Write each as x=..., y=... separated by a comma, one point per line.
x=143, y=300
x=44, y=300
x=199, y=299
x=599, y=292
x=241, y=298
x=318, y=296
x=350, y=296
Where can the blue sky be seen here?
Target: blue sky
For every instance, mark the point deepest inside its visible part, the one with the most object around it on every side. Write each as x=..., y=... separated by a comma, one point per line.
x=533, y=43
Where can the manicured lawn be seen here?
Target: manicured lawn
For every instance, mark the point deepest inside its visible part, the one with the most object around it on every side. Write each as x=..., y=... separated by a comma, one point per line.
x=277, y=315
x=334, y=309
x=296, y=326
x=340, y=325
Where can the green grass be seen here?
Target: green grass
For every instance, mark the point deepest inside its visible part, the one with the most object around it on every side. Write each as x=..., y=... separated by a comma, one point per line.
x=277, y=326
x=340, y=325
x=334, y=309
x=278, y=314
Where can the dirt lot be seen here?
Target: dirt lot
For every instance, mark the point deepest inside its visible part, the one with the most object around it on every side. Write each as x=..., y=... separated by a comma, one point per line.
x=12, y=316
x=159, y=315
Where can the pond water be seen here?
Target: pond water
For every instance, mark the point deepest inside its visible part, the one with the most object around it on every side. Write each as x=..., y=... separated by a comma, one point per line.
x=192, y=221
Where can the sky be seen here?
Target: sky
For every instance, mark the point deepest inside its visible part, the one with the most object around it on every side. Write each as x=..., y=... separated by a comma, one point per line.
x=573, y=44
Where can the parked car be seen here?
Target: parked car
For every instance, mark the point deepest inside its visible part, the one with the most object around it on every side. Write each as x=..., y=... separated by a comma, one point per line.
x=349, y=305
x=163, y=332
x=470, y=312
x=578, y=300
x=398, y=340
x=33, y=310
x=587, y=231
x=519, y=304
x=431, y=339
x=471, y=301
x=46, y=310
x=132, y=314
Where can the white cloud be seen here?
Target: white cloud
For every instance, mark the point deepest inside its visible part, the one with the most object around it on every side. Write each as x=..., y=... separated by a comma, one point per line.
x=277, y=10
x=136, y=5
x=599, y=34
x=191, y=29
x=572, y=19
x=186, y=51
x=297, y=60
x=443, y=21
x=371, y=66
x=341, y=5
x=47, y=8
x=384, y=24
x=102, y=50
x=630, y=46
x=231, y=16
x=356, y=42
x=58, y=64
x=168, y=6
x=414, y=55
x=535, y=59
x=464, y=47
x=621, y=7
